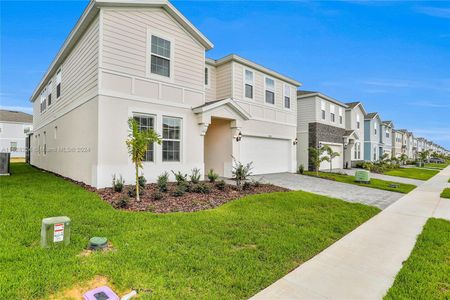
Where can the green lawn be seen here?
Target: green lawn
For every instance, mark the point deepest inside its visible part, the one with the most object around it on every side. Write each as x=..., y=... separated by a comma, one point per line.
x=413, y=173
x=230, y=252
x=436, y=166
x=445, y=193
x=374, y=183
x=426, y=273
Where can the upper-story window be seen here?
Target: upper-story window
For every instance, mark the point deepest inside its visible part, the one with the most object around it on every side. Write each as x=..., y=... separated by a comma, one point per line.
x=332, y=114
x=322, y=108
x=341, y=112
x=387, y=133
x=206, y=76
x=160, y=56
x=270, y=90
x=375, y=128
x=58, y=84
x=49, y=93
x=43, y=100
x=287, y=96
x=358, y=123
x=248, y=84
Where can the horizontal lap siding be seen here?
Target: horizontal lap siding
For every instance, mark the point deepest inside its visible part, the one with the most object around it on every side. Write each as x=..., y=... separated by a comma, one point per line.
x=223, y=77
x=125, y=44
x=79, y=77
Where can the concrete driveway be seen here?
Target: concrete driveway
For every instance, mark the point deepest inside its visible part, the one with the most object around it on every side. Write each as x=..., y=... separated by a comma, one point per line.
x=344, y=191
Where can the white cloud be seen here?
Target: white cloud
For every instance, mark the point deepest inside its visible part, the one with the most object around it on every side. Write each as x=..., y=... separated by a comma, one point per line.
x=431, y=104
x=437, y=12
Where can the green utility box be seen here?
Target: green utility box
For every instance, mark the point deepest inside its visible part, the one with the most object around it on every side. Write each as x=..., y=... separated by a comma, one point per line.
x=362, y=176
x=55, y=230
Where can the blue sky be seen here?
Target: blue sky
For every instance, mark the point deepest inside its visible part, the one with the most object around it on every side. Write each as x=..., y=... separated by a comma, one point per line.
x=393, y=56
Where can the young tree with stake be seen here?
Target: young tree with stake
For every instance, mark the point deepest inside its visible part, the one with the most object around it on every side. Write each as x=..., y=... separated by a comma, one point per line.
x=137, y=144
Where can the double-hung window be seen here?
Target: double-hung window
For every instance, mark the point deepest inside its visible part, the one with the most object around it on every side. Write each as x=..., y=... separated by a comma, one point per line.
x=171, y=139
x=146, y=122
x=322, y=108
x=58, y=84
x=206, y=76
x=49, y=95
x=287, y=96
x=387, y=133
x=358, y=123
x=43, y=100
x=248, y=84
x=160, y=56
x=375, y=128
x=270, y=90
x=341, y=115
x=332, y=114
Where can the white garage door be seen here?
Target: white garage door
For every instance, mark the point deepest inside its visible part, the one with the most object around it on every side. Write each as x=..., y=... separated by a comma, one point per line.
x=268, y=155
x=337, y=161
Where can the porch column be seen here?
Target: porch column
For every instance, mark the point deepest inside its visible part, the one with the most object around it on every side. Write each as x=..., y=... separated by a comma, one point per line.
x=235, y=146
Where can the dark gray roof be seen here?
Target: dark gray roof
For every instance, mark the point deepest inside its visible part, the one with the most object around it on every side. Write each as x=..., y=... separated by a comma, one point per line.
x=301, y=93
x=352, y=104
x=389, y=123
x=15, y=116
x=371, y=115
x=348, y=132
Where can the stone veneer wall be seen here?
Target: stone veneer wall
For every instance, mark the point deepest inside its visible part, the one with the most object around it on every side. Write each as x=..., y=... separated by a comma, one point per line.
x=318, y=132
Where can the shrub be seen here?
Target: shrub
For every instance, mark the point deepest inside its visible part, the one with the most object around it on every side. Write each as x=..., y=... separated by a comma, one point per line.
x=195, y=175
x=212, y=176
x=162, y=181
x=220, y=185
x=201, y=188
x=180, y=178
x=240, y=171
x=142, y=182
x=118, y=183
x=122, y=202
x=256, y=183
x=301, y=169
x=247, y=185
x=157, y=196
x=179, y=191
x=132, y=192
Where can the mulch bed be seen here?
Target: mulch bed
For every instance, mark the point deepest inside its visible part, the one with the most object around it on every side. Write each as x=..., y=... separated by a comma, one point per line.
x=188, y=202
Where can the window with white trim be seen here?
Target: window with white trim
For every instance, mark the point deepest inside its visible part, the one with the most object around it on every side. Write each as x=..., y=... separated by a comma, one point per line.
x=13, y=147
x=374, y=153
x=287, y=96
x=332, y=114
x=340, y=115
x=49, y=93
x=270, y=90
x=387, y=133
x=45, y=143
x=171, y=139
x=146, y=122
x=358, y=123
x=160, y=56
x=248, y=84
x=58, y=84
x=43, y=99
x=322, y=108
x=375, y=125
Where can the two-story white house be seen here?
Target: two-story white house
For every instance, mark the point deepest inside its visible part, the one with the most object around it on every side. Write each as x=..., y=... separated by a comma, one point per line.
x=386, y=137
x=14, y=127
x=321, y=122
x=144, y=59
x=372, y=142
x=354, y=124
x=398, y=143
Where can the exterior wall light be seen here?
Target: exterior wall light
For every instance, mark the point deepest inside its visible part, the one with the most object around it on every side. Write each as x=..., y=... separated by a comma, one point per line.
x=295, y=142
x=239, y=137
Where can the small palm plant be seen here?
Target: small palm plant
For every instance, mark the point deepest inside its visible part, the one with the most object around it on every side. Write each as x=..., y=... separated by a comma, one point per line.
x=403, y=158
x=331, y=154
x=137, y=144
x=316, y=156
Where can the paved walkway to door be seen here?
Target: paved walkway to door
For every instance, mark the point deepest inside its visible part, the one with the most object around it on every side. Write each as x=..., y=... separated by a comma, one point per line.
x=334, y=189
x=364, y=263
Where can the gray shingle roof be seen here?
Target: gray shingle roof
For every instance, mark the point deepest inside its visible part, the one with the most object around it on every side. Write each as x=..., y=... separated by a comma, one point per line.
x=15, y=116
x=301, y=93
x=371, y=115
x=352, y=104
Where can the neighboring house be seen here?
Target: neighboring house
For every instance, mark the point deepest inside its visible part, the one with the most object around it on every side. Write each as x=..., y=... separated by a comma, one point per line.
x=145, y=60
x=373, y=147
x=408, y=143
x=321, y=122
x=354, y=124
x=386, y=137
x=14, y=127
x=398, y=143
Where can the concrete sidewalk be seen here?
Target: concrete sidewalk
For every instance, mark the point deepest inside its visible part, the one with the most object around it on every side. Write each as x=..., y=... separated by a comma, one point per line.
x=364, y=263
x=385, y=177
